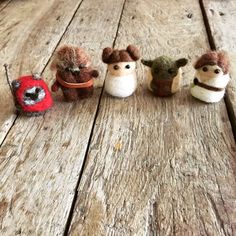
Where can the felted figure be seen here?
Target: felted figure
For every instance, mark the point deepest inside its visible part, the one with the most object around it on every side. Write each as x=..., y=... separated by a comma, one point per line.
x=211, y=77
x=121, y=80
x=31, y=94
x=164, y=75
x=74, y=74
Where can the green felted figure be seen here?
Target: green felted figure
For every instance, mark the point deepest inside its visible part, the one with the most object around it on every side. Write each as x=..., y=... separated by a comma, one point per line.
x=164, y=75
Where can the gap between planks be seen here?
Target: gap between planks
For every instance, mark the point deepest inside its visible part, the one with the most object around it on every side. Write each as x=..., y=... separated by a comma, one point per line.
x=212, y=44
x=97, y=109
x=4, y=4
x=88, y=170
x=107, y=22
x=228, y=104
x=46, y=64
x=70, y=217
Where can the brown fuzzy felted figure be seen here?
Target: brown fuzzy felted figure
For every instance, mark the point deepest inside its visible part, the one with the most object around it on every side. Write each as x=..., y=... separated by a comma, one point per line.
x=74, y=73
x=121, y=79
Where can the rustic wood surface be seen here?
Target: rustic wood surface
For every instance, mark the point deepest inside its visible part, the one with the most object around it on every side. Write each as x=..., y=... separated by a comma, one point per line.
x=41, y=158
x=104, y=166
x=4, y=3
x=221, y=16
x=28, y=30
x=159, y=166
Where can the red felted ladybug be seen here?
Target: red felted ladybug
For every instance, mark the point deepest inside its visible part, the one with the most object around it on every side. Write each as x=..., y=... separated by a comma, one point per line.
x=31, y=94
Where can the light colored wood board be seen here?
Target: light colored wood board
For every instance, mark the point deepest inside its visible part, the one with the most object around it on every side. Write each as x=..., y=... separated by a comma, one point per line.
x=159, y=166
x=30, y=31
x=4, y=3
x=222, y=17
x=41, y=158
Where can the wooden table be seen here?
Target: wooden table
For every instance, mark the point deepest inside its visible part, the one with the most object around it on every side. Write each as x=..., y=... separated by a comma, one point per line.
x=104, y=166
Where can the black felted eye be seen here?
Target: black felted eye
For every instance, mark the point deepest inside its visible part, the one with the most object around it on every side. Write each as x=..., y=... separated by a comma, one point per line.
x=205, y=69
x=116, y=67
x=170, y=71
x=217, y=71
x=67, y=69
x=127, y=66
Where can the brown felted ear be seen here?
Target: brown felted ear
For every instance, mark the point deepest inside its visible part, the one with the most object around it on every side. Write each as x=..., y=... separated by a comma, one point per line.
x=106, y=54
x=58, y=55
x=133, y=52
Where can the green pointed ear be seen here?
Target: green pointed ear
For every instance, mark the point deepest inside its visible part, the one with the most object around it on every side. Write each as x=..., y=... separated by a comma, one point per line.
x=147, y=62
x=181, y=62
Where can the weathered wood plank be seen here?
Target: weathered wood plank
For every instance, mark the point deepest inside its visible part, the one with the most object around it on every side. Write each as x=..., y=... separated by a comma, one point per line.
x=30, y=31
x=222, y=17
x=4, y=3
x=159, y=166
x=41, y=158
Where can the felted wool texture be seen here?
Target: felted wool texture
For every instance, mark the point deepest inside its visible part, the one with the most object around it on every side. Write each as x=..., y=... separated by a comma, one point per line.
x=215, y=80
x=110, y=55
x=165, y=75
x=214, y=58
x=175, y=83
x=32, y=95
x=211, y=77
x=73, y=65
x=121, y=83
x=121, y=79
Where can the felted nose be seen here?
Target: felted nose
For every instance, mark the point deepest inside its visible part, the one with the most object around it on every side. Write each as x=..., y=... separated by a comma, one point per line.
x=75, y=71
x=32, y=96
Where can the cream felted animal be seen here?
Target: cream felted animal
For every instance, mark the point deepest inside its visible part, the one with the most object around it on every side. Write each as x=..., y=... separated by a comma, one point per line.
x=211, y=77
x=121, y=80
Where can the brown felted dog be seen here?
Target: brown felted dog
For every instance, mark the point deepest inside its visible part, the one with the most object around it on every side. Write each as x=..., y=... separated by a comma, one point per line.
x=74, y=73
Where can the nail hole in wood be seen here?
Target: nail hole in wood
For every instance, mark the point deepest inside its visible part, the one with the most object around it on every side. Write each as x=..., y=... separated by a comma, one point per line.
x=190, y=15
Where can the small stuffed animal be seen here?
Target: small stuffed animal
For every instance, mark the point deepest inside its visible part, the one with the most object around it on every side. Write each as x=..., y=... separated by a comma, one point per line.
x=31, y=95
x=121, y=79
x=165, y=75
x=74, y=73
x=211, y=77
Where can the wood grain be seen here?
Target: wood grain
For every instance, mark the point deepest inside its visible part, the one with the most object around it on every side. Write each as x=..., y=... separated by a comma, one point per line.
x=4, y=3
x=221, y=17
x=159, y=166
x=41, y=158
x=30, y=31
